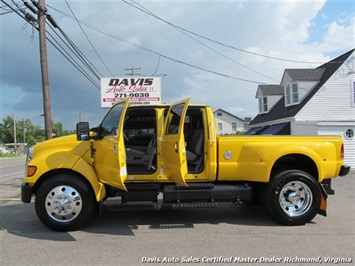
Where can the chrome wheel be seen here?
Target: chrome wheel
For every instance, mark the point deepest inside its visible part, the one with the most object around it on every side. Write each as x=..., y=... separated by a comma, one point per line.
x=295, y=198
x=63, y=203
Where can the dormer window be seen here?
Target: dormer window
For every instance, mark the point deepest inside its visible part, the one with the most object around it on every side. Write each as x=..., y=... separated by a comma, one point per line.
x=263, y=105
x=291, y=94
x=268, y=96
x=352, y=89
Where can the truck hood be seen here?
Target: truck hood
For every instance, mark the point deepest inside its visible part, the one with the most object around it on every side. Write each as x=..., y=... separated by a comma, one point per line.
x=67, y=144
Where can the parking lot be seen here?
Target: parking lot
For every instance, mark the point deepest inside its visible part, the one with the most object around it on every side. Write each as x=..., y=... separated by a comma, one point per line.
x=215, y=236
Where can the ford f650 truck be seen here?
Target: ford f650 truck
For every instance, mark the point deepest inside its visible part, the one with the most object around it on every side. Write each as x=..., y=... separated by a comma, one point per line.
x=170, y=154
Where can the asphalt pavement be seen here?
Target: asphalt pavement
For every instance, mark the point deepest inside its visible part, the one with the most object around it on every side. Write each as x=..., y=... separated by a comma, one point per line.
x=215, y=236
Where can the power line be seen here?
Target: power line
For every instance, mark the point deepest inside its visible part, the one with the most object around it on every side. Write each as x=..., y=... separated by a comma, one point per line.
x=74, y=49
x=102, y=61
x=156, y=69
x=214, y=41
x=81, y=105
x=41, y=15
x=6, y=12
x=147, y=11
x=173, y=59
x=73, y=62
x=170, y=58
x=132, y=74
x=157, y=53
x=16, y=11
x=78, y=53
x=69, y=58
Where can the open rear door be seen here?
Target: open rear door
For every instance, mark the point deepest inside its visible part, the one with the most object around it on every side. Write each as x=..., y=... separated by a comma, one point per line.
x=121, y=150
x=173, y=143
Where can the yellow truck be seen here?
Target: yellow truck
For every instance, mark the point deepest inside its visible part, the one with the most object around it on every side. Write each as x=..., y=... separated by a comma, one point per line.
x=170, y=154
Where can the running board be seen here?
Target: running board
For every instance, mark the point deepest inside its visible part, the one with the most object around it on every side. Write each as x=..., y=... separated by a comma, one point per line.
x=134, y=206
x=195, y=205
x=206, y=193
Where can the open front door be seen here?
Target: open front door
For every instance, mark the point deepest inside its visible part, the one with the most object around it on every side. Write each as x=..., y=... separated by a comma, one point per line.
x=173, y=143
x=110, y=154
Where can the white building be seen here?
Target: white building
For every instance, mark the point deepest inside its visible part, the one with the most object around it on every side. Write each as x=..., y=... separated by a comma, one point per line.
x=318, y=101
x=3, y=149
x=227, y=123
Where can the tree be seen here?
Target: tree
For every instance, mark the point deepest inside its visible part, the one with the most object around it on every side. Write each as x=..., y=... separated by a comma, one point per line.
x=7, y=130
x=57, y=129
x=27, y=132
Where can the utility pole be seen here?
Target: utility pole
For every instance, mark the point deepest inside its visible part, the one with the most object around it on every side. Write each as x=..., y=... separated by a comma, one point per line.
x=132, y=71
x=15, y=142
x=24, y=134
x=44, y=68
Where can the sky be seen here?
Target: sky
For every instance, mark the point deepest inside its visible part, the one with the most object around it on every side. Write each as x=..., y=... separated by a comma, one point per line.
x=214, y=52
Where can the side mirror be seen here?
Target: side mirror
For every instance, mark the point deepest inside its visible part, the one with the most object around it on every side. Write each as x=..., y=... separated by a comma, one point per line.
x=82, y=131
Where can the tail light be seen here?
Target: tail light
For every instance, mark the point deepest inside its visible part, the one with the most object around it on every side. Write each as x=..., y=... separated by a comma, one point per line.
x=342, y=152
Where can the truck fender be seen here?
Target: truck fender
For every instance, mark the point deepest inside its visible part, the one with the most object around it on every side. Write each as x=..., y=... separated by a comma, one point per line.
x=303, y=151
x=86, y=170
x=257, y=160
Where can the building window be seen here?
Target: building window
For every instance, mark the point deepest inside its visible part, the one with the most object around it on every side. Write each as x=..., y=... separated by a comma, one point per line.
x=246, y=126
x=219, y=126
x=219, y=114
x=291, y=94
x=349, y=134
x=263, y=105
x=234, y=126
x=352, y=89
x=294, y=93
x=288, y=94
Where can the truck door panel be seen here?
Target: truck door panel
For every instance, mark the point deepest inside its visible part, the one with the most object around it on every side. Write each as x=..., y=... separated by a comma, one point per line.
x=109, y=151
x=173, y=143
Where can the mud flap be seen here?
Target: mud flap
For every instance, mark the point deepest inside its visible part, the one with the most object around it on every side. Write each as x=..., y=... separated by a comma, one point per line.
x=323, y=204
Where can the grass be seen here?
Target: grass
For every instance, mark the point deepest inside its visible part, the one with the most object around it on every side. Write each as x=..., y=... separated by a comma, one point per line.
x=11, y=155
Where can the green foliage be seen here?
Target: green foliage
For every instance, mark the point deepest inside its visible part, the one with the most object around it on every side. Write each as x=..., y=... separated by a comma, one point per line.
x=28, y=132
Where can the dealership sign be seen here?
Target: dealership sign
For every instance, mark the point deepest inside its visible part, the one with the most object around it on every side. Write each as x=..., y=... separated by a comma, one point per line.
x=141, y=90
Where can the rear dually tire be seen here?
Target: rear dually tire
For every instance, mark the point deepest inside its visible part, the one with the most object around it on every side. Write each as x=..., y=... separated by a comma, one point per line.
x=293, y=197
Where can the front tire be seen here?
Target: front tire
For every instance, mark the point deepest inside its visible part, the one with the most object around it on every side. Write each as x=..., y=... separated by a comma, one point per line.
x=64, y=203
x=293, y=197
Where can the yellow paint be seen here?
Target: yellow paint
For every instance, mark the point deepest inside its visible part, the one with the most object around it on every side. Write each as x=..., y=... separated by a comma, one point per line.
x=227, y=158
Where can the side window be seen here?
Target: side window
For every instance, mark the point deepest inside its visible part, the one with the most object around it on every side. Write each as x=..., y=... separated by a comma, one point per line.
x=174, y=119
x=110, y=123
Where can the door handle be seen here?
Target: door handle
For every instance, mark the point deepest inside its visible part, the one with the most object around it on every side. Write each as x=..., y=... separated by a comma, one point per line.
x=176, y=147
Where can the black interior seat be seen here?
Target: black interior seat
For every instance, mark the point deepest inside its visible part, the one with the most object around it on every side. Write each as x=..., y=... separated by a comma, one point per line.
x=194, y=148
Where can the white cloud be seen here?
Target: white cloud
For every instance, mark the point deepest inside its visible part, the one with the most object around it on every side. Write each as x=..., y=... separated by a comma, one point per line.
x=337, y=34
x=277, y=29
